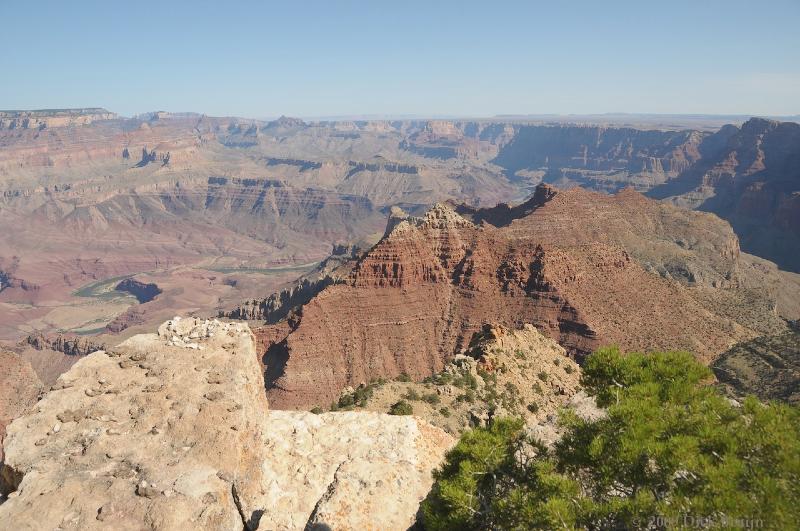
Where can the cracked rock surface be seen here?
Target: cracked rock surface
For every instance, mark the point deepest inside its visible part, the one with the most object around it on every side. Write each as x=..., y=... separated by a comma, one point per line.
x=349, y=470
x=158, y=433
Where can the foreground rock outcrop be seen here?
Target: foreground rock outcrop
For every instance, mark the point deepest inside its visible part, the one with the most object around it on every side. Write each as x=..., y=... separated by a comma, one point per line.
x=172, y=431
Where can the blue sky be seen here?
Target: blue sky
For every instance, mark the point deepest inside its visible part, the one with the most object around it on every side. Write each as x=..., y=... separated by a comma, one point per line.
x=402, y=57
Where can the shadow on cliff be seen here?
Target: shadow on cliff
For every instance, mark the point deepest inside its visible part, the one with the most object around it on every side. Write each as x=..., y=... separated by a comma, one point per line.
x=274, y=360
x=503, y=214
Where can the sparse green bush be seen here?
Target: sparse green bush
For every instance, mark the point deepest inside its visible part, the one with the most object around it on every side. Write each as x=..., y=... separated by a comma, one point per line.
x=403, y=377
x=412, y=394
x=316, y=410
x=556, y=362
x=465, y=381
x=488, y=377
x=533, y=407
x=537, y=388
x=444, y=378
x=401, y=408
x=542, y=376
x=468, y=397
x=445, y=412
x=357, y=398
x=568, y=369
x=432, y=398
x=346, y=401
x=491, y=397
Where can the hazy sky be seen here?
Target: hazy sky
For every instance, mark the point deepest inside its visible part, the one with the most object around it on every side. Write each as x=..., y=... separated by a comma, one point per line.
x=325, y=58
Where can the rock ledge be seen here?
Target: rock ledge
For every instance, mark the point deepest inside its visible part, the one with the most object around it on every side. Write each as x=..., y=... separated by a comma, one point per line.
x=172, y=431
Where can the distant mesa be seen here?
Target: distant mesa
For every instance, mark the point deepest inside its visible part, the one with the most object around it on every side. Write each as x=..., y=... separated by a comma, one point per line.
x=48, y=118
x=8, y=280
x=154, y=116
x=286, y=122
x=68, y=344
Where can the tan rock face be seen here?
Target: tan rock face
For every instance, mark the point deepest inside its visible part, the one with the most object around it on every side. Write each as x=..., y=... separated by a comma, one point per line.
x=348, y=470
x=148, y=434
x=172, y=431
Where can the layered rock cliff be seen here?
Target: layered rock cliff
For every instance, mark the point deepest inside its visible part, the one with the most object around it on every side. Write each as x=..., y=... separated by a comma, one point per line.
x=277, y=306
x=67, y=344
x=750, y=176
x=172, y=431
x=43, y=119
x=586, y=269
x=601, y=157
x=77, y=208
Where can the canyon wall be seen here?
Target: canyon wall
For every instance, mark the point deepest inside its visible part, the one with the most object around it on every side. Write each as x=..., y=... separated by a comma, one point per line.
x=52, y=118
x=584, y=268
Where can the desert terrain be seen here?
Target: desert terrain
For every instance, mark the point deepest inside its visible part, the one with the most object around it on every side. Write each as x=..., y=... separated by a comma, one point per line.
x=446, y=272
x=218, y=211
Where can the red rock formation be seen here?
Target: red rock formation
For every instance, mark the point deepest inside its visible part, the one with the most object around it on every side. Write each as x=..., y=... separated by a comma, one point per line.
x=585, y=268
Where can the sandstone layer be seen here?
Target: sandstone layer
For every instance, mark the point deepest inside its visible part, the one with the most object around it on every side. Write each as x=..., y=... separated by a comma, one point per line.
x=221, y=213
x=586, y=269
x=172, y=431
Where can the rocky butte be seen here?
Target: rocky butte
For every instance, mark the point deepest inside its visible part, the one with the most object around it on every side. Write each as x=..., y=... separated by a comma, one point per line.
x=172, y=431
x=586, y=269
